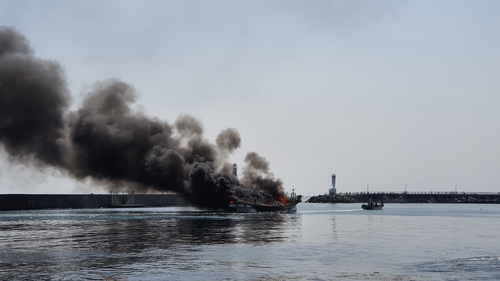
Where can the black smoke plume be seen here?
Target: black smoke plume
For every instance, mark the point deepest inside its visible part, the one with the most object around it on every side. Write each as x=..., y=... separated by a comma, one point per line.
x=257, y=175
x=33, y=100
x=107, y=141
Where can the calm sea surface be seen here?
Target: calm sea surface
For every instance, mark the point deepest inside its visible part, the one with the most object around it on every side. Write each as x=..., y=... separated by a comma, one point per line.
x=320, y=242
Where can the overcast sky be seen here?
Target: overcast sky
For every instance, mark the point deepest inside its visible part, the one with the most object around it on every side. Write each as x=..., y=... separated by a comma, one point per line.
x=385, y=93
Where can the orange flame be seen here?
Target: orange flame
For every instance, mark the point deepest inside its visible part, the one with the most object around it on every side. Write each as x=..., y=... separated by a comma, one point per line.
x=283, y=200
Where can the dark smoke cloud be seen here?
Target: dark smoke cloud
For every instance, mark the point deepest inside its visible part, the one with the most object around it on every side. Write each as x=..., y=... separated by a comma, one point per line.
x=228, y=140
x=111, y=142
x=106, y=140
x=188, y=126
x=33, y=100
x=257, y=175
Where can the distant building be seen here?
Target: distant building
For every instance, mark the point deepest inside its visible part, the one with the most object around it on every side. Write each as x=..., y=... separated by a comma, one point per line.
x=333, y=190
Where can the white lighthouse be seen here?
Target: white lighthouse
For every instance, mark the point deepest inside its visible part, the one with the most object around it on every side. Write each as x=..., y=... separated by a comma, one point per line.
x=235, y=169
x=333, y=189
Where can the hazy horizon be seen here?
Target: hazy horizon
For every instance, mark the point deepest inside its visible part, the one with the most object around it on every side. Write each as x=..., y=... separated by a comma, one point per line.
x=385, y=93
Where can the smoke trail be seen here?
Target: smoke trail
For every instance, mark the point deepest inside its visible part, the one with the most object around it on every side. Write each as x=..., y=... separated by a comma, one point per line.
x=33, y=100
x=107, y=141
x=257, y=175
x=227, y=141
x=112, y=143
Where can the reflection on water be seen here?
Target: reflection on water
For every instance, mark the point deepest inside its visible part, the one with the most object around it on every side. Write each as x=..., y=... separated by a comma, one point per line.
x=319, y=242
x=130, y=231
x=45, y=244
x=334, y=228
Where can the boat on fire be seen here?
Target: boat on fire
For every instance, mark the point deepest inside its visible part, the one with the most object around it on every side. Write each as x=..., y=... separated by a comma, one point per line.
x=254, y=204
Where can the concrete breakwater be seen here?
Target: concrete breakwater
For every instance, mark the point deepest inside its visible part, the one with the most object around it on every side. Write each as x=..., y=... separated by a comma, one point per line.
x=80, y=201
x=327, y=198
x=116, y=200
x=408, y=197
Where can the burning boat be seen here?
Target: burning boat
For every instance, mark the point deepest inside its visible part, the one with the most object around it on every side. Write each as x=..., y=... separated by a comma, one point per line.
x=108, y=141
x=256, y=201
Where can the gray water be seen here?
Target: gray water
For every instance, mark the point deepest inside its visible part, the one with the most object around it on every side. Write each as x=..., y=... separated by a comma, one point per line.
x=320, y=242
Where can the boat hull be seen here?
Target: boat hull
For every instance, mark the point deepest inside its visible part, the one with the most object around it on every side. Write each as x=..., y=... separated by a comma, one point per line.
x=372, y=207
x=256, y=208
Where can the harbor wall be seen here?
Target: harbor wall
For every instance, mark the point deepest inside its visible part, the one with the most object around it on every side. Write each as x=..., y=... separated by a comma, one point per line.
x=115, y=200
x=431, y=197
x=79, y=201
x=409, y=197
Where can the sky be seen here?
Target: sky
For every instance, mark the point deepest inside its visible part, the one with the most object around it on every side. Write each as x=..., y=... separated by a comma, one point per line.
x=387, y=95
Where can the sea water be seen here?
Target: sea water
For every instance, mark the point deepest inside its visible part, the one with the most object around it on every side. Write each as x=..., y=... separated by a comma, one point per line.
x=319, y=242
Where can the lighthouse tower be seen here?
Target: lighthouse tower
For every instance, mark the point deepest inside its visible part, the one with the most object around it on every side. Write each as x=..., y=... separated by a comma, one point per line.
x=333, y=190
x=235, y=169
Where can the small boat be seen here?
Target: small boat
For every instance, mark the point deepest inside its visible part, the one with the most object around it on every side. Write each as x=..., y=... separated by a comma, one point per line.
x=372, y=206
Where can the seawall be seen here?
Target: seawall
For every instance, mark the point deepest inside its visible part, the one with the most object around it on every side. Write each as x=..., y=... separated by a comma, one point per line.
x=80, y=201
x=409, y=197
